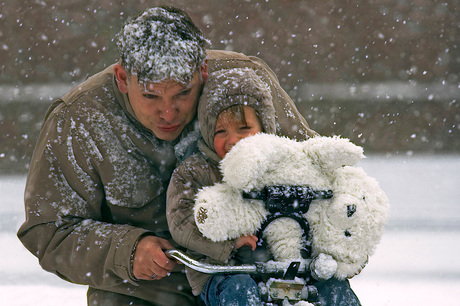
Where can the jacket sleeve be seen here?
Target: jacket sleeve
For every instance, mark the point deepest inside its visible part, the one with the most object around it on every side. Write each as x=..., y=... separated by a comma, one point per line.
x=64, y=201
x=185, y=182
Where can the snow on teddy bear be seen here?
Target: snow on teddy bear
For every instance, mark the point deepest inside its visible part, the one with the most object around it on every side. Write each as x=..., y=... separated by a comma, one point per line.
x=343, y=230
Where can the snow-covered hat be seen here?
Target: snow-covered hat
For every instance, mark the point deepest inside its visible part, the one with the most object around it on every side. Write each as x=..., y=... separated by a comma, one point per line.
x=237, y=86
x=162, y=43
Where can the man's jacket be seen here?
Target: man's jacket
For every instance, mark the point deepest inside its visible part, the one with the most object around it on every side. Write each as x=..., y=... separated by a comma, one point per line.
x=97, y=182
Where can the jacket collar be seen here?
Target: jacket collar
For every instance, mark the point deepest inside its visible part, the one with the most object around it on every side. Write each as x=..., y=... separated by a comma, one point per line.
x=208, y=152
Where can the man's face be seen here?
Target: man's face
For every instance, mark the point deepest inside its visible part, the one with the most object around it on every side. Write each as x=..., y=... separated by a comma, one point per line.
x=165, y=108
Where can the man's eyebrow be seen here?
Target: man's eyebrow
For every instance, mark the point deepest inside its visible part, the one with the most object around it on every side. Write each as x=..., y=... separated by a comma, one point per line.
x=146, y=90
x=151, y=92
x=187, y=86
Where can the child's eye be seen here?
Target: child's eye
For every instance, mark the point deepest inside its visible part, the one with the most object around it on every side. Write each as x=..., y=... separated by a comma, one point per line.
x=219, y=132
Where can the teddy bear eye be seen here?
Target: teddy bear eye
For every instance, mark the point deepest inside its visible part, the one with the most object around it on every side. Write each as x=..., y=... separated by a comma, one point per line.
x=347, y=233
x=351, y=209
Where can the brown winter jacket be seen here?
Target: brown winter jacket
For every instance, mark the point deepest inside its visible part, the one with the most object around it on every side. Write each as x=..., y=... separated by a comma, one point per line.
x=97, y=183
x=223, y=89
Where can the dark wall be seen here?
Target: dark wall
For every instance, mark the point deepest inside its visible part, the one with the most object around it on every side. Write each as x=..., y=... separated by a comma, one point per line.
x=383, y=73
x=304, y=41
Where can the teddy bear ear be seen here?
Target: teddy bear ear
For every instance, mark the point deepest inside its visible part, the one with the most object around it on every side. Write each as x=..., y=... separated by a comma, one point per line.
x=333, y=152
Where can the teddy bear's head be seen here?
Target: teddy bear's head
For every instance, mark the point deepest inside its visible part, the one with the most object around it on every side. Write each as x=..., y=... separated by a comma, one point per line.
x=349, y=225
x=264, y=160
x=346, y=227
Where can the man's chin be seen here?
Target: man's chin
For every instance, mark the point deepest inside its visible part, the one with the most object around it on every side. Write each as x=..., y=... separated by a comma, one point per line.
x=167, y=136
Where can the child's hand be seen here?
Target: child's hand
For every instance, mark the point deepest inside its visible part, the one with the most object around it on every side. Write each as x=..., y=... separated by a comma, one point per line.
x=249, y=240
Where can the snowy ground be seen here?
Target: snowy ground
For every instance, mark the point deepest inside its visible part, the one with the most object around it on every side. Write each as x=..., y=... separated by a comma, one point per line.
x=415, y=264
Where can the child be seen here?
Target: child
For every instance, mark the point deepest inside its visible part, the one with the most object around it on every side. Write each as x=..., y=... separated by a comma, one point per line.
x=235, y=104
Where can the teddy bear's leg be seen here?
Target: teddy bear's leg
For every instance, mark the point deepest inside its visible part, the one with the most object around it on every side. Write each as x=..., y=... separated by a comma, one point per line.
x=323, y=267
x=285, y=238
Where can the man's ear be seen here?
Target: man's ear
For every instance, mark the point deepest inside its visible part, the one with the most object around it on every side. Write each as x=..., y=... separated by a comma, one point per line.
x=122, y=77
x=204, y=72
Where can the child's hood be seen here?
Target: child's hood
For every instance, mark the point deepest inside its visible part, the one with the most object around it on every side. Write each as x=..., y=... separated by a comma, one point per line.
x=229, y=87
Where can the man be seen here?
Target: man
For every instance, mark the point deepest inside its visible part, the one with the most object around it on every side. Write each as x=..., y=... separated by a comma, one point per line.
x=95, y=193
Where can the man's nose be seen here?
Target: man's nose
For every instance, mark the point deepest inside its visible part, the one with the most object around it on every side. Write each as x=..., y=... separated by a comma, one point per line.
x=168, y=111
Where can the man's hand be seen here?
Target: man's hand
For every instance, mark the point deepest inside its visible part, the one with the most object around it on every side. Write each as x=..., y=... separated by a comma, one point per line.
x=150, y=262
x=249, y=240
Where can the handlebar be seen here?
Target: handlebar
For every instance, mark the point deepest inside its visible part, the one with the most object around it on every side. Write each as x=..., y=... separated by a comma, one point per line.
x=270, y=267
x=288, y=198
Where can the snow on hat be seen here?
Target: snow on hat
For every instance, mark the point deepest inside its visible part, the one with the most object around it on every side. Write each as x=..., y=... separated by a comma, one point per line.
x=162, y=43
x=237, y=86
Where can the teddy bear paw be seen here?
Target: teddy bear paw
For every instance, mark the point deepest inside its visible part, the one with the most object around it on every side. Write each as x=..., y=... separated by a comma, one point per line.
x=323, y=267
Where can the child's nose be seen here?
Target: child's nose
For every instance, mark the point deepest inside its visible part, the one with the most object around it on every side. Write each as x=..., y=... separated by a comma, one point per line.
x=233, y=139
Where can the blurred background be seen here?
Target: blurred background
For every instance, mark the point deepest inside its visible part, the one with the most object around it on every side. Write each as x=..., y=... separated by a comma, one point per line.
x=384, y=73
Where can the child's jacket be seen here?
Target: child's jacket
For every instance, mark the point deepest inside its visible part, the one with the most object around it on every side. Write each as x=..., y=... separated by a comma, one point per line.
x=223, y=89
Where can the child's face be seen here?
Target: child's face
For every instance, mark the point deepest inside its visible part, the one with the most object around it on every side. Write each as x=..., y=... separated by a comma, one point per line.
x=229, y=130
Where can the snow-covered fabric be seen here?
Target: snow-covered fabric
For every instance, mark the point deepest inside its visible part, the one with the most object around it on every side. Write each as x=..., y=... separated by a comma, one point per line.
x=162, y=44
x=346, y=227
x=96, y=184
x=289, y=122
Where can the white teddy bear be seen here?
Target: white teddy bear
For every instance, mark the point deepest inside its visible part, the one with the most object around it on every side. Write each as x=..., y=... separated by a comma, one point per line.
x=344, y=229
